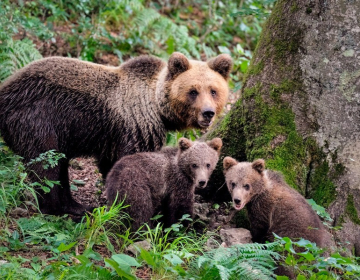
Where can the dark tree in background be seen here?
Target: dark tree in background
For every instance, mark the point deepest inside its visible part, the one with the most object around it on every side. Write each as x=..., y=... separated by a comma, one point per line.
x=300, y=106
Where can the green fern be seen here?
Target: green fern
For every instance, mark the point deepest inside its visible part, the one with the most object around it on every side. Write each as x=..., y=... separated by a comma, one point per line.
x=15, y=55
x=246, y=261
x=161, y=35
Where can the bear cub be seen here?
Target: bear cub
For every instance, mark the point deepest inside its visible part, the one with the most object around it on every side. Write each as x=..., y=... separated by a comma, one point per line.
x=272, y=205
x=162, y=181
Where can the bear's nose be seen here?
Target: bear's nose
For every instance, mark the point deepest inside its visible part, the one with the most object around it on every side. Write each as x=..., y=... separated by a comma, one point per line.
x=237, y=201
x=208, y=114
x=202, y=183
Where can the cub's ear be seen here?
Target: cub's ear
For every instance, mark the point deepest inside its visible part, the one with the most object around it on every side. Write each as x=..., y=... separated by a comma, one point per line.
x=184, y=144
x=216, y=144
x=177, y=64
x=259, y=165
x=228, y=162
x=221, y=64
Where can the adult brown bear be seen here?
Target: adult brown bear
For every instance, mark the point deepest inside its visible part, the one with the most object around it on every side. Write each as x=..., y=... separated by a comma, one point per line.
x=84, y=109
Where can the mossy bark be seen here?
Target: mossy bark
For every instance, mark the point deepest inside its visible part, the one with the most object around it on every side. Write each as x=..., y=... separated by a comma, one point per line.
x=282, y=115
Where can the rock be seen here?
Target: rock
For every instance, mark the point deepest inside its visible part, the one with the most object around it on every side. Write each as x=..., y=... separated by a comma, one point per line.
x=19, y=212
x=76, y=164
x=202, y=211
x=213, y=241
x=136, y=246
x=2, y=262
x=234, y=236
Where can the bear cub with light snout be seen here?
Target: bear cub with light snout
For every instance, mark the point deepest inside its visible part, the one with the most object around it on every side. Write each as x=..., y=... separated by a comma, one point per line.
x=162, y=181
x=272, y=205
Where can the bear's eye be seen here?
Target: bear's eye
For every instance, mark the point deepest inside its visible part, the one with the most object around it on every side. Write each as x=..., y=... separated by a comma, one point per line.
x=233, y=185
x=247, y=187
x=208, y=165
x=213, y=92
x=194, y=165
x=193, y=93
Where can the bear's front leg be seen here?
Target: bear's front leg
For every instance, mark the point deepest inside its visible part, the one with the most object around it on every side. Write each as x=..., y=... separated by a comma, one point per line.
x=59, y=200
x=179, y=205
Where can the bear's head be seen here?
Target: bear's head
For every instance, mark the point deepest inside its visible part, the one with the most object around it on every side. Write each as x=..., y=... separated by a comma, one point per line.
x=244, y=180
x=197, y=90
x=197, y=160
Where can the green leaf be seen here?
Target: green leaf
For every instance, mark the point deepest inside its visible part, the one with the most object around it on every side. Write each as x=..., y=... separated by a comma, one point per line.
x=224, y=49
x=307, y=255
x=173, y=259
x=290, y=260
x=147, y=257
x=49, y=183
x=119, y=270
x=79, y=182
x=125, y=260
x=62, y=247
x=45, y=189
x=83, y=259
x=73, y=187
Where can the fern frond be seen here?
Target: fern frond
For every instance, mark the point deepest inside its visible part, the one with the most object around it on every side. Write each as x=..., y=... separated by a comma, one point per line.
x=146, y=18
x=15, y=55
x=246, y=261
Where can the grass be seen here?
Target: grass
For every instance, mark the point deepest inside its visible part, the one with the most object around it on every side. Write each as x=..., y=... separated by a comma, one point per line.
x=47, y=247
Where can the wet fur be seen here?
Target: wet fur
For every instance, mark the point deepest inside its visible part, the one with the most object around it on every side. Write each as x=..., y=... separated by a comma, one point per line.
x=275, y=207
x=85, y=109
x=161, y=181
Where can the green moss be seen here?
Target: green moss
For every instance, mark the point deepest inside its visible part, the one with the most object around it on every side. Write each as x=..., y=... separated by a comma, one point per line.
x=264, y=120
x=351, y=211
x=324, y=188
x=256, y=69
x=294, y=7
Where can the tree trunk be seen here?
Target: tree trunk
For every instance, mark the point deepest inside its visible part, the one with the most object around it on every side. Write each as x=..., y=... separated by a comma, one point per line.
x=300, y=106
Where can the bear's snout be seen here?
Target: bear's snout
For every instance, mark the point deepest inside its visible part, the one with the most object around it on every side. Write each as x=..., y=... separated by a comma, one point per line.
x=202, y=183
x=237, y=201
x=208, y=114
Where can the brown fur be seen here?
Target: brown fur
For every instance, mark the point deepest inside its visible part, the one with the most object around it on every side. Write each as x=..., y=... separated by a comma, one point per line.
x=84, y=109
x=272, y=205
x=163, y=180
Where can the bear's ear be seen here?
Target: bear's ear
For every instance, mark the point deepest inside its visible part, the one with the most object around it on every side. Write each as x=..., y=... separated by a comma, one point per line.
x=184, y=144
x=177, y=64
x=216, y=144
x=259, y=165
x=228, y=162
x=221, y=64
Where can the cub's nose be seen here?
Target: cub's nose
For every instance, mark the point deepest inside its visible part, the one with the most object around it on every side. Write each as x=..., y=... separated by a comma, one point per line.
x=237, y=201
x=202, y=183
x=208, y=114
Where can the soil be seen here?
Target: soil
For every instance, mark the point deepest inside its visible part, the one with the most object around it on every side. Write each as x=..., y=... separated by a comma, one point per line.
x=88, y=181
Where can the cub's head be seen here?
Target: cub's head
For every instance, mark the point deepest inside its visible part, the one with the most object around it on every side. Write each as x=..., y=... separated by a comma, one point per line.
x=198, y=90
x=197, y=160
x=244, y=180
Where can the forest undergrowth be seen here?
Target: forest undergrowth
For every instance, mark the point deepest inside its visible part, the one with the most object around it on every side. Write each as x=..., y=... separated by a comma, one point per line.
x=36, y=246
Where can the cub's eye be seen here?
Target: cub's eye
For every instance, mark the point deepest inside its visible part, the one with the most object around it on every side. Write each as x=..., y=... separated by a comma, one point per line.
x=213, y=92
x=233, y=185
x=208, y=165
x=194, y=165
x=247, y=187
x=193, y=93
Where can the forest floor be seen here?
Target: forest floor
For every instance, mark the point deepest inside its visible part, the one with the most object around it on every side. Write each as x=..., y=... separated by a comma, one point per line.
x=88, y=181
